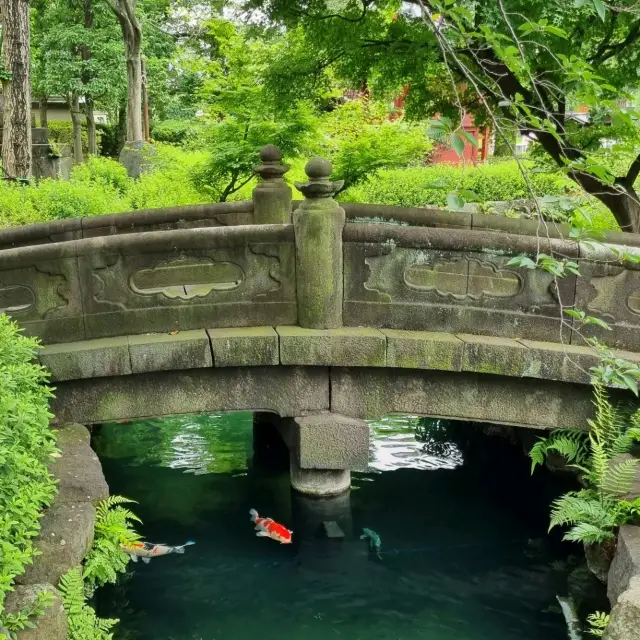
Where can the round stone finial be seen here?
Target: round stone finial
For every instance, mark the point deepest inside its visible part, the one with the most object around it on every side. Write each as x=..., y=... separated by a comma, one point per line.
x=270, y=153
x=318, y=168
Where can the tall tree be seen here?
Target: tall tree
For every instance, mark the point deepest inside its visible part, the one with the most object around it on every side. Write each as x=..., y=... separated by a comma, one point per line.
x=16, y=89
x=509, y=62
x=125, y=12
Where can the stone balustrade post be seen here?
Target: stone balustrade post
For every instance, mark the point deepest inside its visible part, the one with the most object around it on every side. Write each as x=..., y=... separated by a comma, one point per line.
x=272, y=196
x=318, y=224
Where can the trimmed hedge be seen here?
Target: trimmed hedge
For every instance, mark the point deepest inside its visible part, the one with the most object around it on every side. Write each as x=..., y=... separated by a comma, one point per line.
x=423, y=186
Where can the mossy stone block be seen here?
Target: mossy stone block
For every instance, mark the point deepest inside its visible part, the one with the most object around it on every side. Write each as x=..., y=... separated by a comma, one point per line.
x=167, y=352
x=498, y=356
x=554, y=361
x=423, y=350
x=345, y=347
x=98, y=358
x=244, y=346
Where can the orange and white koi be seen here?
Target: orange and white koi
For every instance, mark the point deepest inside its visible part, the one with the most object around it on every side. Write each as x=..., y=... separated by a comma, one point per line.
x=148, y=550
x=268, y=528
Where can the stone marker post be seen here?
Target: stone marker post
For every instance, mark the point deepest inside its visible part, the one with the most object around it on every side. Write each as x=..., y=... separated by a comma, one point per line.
x=318, y=224
x=272, y=196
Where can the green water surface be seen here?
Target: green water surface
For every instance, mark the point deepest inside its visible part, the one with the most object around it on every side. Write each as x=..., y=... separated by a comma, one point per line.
x=465, y=554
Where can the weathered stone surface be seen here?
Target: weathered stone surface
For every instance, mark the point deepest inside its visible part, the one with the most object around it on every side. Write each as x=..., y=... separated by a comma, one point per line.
x=453, y=281
x=272, y=197
x=244, y=347
x=346, y=347
x=51, y=625
x=287, y=391
x=78, y=469
x=423, y=350
x=87, y=359
x=552, y=361
x=626, y=562
x=612, y=292
x=374, y=392
x=319, y=483
x=165, y=352
x=66, y=535
x=327, y=441
x=188, y=279
x=136, y=157
x=41, y=290
x=488, y=354
x=318, y=224
x=597, y=561
x=625, y=616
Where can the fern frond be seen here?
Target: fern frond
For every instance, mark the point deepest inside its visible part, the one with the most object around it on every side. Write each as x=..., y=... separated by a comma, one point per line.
x=598, y=622
x=573, y=508
x=619, y=477
x=588, y=534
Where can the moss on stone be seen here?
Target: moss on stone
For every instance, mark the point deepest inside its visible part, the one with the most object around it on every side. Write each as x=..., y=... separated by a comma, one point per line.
x=242, y=347
x=423, y=350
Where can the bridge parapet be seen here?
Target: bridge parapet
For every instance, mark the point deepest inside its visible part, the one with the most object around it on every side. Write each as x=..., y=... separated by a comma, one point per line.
x=432, y=271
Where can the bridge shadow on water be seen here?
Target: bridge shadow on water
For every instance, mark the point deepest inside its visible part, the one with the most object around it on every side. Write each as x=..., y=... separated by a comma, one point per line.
x=465, y=552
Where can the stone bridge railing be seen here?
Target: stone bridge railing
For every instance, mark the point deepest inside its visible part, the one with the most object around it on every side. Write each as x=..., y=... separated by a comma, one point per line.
x=311, y=263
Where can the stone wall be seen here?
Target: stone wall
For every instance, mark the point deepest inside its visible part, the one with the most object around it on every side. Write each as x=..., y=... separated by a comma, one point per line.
x=623, y=587
x=66, y=531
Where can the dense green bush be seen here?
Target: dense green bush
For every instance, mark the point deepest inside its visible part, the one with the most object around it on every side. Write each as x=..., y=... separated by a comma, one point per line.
x=26, y=446
x=422, y=186
x=186, y=133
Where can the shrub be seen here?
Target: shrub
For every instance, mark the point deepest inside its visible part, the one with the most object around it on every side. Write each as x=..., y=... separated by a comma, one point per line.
x=26, y=445
x=170, y=181
x=103, y=172
x=186, y=133
x=55, y=199
x=423, y=186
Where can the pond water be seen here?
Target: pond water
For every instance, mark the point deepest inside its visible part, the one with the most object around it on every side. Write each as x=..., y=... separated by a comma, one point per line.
x=465, y=555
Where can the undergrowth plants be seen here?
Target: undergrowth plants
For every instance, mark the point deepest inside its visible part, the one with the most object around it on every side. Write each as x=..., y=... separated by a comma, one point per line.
x=596, y=511
x=26, y=446
x=113, y=527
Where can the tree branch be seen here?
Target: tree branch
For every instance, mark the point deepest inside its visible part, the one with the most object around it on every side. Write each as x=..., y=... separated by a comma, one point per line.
x=633, y=173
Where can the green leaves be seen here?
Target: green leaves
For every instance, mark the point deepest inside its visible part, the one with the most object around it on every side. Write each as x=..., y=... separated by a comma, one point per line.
x=26, y=446
x=441, y=130
x=542, y=26
x=598, y=623
x=558, y=268
x=584, y=319
x=595, y=512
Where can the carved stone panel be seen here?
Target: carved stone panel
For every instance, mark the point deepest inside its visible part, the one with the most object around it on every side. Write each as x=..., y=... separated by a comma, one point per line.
x=407, y=288
x=248, y=285
x=44, y=298
x=611, y=292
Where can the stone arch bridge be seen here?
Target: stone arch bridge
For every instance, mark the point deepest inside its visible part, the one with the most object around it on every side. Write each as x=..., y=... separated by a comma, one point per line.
x=318, y=315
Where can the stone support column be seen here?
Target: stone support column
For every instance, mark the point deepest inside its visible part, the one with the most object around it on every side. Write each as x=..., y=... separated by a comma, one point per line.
x=324, y=448
x=272, y=196
x=318, y=224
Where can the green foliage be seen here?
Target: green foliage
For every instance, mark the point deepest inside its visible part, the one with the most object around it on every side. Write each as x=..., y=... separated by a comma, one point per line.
x=113, y=528
x=102, y=173
x=598, y=623
x=82, y=621
x=26, y=619
x=186, y=133
x=595, y=512
x=26, y=446
x=422, y=186
x=360, y=140
x=105, y=560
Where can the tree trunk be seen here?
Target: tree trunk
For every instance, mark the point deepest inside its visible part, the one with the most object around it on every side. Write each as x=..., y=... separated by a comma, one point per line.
x=44, y=111
x=76, y=119
x=125, y=11
x=122, y=127
x=16, y=147
x=91, y=127
x=85, y=52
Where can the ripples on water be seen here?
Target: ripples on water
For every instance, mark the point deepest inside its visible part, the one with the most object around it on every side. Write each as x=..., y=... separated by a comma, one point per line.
x=465, y=557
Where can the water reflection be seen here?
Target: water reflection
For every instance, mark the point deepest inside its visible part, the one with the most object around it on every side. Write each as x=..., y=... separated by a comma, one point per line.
x=457, y=561
x=411, y=442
